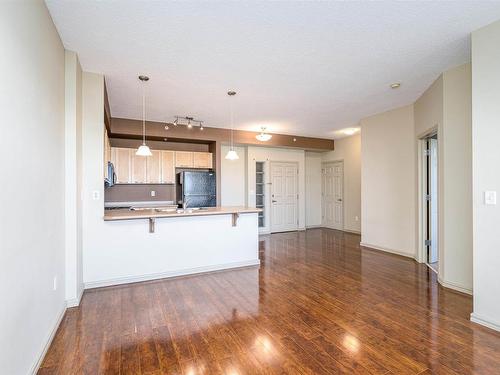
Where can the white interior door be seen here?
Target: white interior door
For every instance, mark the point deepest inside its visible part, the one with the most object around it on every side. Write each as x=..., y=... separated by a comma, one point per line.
x=284, y=197
x=433, y=187
x=333, y=195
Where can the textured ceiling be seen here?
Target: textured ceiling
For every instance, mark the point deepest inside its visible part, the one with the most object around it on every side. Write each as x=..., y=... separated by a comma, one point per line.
x=307, y=68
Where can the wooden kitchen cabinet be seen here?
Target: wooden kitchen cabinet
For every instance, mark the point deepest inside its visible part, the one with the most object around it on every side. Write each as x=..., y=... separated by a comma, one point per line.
x=107, y=153
x=184, y=159
x=168, y=167
x=202, y=160
x=154, y=167
x=120, y=157
x=139, y=168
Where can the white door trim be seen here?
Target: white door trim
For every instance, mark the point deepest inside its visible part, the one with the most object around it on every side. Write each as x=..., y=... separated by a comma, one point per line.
x=323, y=165
x=296, y=226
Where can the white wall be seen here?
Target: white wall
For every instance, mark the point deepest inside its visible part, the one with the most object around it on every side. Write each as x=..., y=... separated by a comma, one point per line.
x=270, y=154
x=313, y=189
x=73, y=179
x=388, y=184
x=486, y=175
x=233, y=178
x=32, y=180
x=93, y=229
x=348, y=150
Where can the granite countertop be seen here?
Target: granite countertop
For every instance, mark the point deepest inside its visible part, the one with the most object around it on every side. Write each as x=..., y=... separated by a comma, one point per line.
x=146, y=213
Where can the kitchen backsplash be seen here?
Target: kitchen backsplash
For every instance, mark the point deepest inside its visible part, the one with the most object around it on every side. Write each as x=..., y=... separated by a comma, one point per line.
x=139, y=193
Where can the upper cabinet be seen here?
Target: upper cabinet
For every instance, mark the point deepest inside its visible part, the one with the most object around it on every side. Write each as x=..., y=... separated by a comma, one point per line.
x=184, y=159
x=139, y=168
x=155, y=169
x=168, y=167
x=202, y=160
x=122, y=160
x=107, y=153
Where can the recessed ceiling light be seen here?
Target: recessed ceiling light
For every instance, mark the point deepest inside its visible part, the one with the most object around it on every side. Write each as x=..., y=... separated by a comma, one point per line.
x=395, y=85
x=349, y=131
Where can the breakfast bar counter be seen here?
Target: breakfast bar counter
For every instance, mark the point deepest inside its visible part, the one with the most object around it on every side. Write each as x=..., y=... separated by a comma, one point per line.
x=152, y=243
x=146, y=213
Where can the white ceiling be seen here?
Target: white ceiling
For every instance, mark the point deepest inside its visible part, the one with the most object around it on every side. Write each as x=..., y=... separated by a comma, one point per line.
x=306, y=68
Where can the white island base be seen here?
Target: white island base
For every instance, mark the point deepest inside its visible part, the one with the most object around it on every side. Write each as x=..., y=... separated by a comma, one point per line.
x=178, y=246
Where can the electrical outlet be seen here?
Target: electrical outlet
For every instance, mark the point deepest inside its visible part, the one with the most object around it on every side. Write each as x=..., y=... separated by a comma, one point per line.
x=490, y=197
x=54, y=286
x=356, y=218
x=153, y=193
x=96, y=195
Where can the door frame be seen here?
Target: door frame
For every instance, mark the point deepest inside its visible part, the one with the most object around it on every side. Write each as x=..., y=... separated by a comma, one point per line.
x=271, y=162
x=422, y=221
x=341, y=161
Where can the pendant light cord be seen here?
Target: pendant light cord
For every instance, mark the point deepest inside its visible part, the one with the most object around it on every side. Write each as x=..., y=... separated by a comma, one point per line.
x=232, y=123
x=144, y=113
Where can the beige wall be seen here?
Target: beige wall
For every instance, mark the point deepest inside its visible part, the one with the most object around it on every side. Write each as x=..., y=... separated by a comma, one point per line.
x=313, y=189
x=486, y=175
x=445, y=107
x=349, y=151
x=388, y=181
x=32, y=180
x=456, y=174
x=233, y=178
x=429, y=109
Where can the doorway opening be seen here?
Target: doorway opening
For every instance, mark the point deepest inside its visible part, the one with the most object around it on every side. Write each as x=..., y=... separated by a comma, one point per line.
x=284, y=197
x=430, y=204
x=332, y=195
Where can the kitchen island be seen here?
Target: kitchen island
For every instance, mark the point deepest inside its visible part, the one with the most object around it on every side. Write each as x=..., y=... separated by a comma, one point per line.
x=149, y=244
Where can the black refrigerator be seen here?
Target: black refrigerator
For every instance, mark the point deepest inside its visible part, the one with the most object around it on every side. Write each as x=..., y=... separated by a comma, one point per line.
x=196, y=189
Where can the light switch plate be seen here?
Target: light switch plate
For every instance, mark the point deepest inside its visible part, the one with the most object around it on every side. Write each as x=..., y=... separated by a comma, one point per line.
x=490, y=197
x=95, y=195
x=153, y=193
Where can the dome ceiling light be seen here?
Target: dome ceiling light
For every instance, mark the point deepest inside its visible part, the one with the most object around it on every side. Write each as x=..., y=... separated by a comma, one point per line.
x=263, y=136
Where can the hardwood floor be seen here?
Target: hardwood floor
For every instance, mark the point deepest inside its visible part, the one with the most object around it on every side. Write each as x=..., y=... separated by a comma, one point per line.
x=317, y=305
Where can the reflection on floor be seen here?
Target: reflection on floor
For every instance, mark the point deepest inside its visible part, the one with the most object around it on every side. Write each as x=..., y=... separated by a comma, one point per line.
x=317, y=305
x=434, y=266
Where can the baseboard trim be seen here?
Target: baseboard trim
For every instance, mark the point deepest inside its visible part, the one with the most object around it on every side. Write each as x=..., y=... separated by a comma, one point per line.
x=74, y=302
x=484, y=322
x=352, y=231
x=170, y=274
x=48, y=341
x=454, y=286
x=313, y=226
x=379, y=248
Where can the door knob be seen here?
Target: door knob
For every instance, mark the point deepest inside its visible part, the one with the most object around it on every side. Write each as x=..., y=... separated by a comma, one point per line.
x=339, y=200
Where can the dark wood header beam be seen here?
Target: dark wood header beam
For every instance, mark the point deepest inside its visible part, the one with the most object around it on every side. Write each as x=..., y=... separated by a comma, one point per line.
x=131, y=129
x=107, y=110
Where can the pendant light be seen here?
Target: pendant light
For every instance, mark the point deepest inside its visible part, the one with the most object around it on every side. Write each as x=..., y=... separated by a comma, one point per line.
x=143, y=149
x=231, y=154
x=263, y=136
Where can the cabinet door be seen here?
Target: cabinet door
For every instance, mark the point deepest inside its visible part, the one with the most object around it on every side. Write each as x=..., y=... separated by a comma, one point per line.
x=168, y=167
x=107, y=153
x=139, y=168
x=154, y=170
x=120, y=157
x=202, y=160
x=184, y=159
